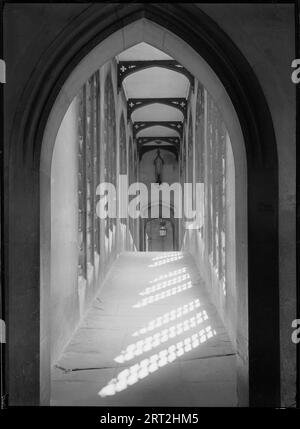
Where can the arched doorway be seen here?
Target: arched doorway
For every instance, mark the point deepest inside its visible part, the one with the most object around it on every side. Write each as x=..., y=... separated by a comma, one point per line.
x=159, y=235
x=248, y=119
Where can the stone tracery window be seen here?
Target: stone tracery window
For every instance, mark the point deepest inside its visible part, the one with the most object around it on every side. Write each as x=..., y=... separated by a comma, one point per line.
x=131, y=179
x=90, y=198
x=199, y=134
x=123, y=149
x=123, y=152
x=88, y=172
x=110, y=151
x=96, y=152
x=200, y=144
x=81, y=182
x=215, y=187
x=190, y=152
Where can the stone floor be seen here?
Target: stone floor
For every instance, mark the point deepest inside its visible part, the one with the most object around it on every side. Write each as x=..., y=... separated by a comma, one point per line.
x=151, y=338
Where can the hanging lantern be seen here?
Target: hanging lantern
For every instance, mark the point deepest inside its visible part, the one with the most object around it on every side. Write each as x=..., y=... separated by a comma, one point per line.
x=162, y=230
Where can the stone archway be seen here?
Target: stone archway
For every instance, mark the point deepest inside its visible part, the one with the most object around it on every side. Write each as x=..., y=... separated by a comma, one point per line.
x=154, y=241
x=192, y=38
x=145, y=220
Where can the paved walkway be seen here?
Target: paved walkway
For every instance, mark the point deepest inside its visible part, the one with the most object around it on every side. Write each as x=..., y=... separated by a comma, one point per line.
x=151, y=338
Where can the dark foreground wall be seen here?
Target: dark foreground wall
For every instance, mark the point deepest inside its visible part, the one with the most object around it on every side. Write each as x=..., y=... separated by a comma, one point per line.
x=265, y=35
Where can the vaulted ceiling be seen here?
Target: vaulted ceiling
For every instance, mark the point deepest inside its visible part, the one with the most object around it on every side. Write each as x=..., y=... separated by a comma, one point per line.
x=156, y=88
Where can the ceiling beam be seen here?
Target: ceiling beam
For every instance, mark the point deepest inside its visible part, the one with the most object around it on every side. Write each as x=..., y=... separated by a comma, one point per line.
x=144, y=149
x=172, y=140
x=179, y=103
x=126, y=68
x=142, y=125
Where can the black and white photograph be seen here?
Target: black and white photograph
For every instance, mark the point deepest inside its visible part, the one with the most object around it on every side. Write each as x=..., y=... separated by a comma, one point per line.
x=149, y=222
